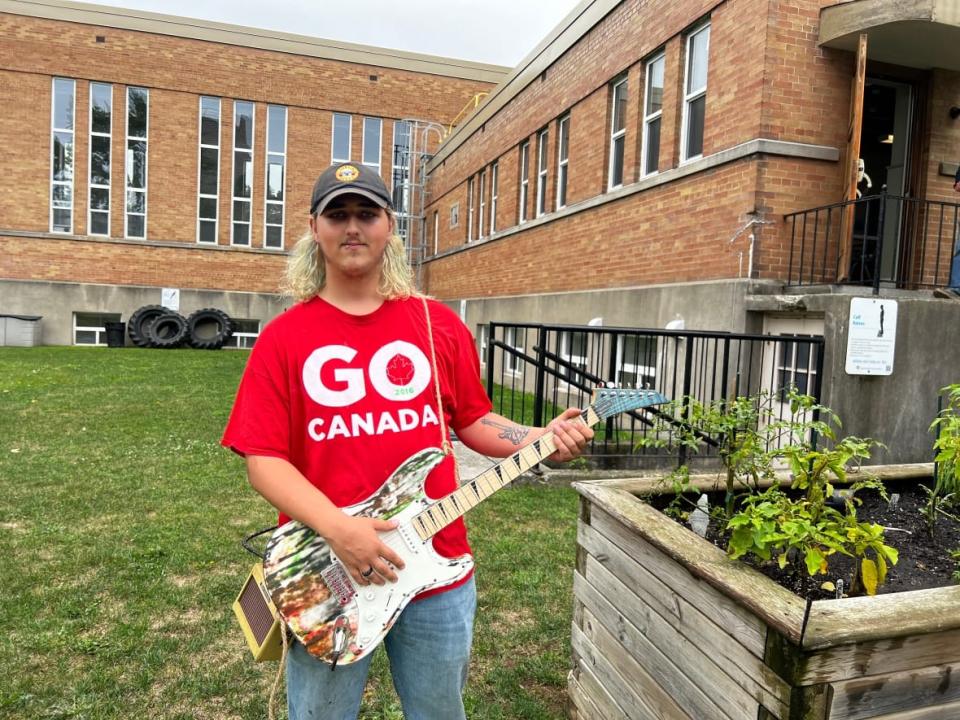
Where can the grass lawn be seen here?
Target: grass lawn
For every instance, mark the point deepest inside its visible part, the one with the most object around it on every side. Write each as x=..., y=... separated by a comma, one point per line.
x=120, y=521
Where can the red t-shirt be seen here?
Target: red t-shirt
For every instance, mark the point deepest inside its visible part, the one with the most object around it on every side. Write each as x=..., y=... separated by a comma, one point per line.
x=346, y=398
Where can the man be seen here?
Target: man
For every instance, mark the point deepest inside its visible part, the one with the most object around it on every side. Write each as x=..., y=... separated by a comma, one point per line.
x=340, y=390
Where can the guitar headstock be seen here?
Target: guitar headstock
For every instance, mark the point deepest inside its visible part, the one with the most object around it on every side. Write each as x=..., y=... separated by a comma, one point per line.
x=611, y=401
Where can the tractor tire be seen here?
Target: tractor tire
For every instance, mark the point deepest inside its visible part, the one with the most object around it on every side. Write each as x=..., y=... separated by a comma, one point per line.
x=209, y=329
x=167, y=331
x=141, y=318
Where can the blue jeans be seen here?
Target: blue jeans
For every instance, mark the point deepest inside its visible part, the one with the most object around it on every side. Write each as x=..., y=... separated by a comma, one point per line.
x=429, y=651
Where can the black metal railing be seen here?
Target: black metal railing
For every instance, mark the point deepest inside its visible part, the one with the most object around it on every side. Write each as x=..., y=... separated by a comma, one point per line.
x=534, y=371
x=895, y=241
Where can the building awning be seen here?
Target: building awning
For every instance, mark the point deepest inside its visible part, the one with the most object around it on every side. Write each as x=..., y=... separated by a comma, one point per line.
x=916, y=33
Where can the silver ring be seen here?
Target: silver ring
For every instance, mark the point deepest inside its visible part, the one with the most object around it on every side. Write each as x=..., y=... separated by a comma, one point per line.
x=367, y=573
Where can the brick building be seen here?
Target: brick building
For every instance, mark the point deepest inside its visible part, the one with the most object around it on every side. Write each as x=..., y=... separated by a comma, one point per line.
x=687, y=162
x=145, y=152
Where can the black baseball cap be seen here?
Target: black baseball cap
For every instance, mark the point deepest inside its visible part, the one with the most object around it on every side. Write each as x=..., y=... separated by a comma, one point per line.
x=345, y=178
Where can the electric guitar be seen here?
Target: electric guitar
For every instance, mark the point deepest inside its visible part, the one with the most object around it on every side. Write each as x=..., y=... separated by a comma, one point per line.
x=339, y=621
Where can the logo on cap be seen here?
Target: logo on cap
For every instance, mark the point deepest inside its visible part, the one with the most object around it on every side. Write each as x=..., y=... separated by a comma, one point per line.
x=347, y=173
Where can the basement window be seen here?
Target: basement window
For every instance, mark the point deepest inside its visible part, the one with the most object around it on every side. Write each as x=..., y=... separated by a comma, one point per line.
x=245, y=334
x=90, y=328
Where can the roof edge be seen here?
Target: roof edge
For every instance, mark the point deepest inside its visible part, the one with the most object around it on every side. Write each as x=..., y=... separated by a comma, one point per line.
x=261, y=39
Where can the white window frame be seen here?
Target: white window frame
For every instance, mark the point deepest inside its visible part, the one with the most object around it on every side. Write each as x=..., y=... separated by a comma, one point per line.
x=579, y=361
x=100, y=330
x=616, y=135
x=90, y=186
x=146, y=165
x=511, y=364
x=238, y=341
x=524, y=182
x=494, y=194
x=482, y=206
x=692, y=94
x=470, y=209
x=483, y=340
x=563, y=133
x=400, y=172
x=233, y=180
x=73, y=144
x=363, y=146
x=543, y=165
x=266, y=178
x=648, y=119
x=200, y=148
x=436, y=231
x=333, y=137
x=455, y=215
x=630, y=367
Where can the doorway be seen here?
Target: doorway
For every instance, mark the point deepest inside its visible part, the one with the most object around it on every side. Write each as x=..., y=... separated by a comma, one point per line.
x=884, y=148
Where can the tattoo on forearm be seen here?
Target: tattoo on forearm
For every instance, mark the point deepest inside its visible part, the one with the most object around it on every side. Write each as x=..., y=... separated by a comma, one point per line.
x=514, y=433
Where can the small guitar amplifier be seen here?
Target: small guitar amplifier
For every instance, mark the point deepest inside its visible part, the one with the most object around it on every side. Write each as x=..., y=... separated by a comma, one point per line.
x=258, y=617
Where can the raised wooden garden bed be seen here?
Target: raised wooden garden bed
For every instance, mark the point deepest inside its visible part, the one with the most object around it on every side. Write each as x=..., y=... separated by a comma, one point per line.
x=667, y=627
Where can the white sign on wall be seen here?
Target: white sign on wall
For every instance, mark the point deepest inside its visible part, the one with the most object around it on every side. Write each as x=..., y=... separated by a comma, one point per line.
x=871, y=336
x=170, y=299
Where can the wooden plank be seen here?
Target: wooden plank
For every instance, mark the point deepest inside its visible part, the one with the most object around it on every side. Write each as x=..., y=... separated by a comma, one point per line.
x=896, y=615
x=588, y=687
x=676, y=664
x=746, y=593
x=950, y=711
x=626, y=682
x=896, y=692
x=845, y=662
x=772, y=604
x=581, y=705
x=853, y=155
x=670, y=622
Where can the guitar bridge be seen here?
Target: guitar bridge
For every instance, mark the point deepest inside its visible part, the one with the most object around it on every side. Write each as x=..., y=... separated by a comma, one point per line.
x=338, y=582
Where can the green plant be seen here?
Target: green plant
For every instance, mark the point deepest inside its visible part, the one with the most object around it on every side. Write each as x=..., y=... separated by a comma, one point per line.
x=946, y=488
x=955, y=554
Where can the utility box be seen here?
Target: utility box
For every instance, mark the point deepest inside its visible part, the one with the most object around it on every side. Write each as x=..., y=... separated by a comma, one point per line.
x=19, y=330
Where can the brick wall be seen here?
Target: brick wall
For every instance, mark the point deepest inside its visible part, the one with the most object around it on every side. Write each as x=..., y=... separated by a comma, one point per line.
x=177, y=71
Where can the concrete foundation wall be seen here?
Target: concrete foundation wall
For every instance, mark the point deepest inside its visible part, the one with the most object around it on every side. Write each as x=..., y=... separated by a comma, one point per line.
x=57, y=302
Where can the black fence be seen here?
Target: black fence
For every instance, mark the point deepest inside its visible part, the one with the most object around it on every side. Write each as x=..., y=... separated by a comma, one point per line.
x=533, y=372
x=895, y=241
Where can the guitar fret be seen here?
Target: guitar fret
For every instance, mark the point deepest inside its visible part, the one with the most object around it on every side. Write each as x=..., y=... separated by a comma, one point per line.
x=499, y=472
x=473, y=486
x=536, y=446
x=516, y=461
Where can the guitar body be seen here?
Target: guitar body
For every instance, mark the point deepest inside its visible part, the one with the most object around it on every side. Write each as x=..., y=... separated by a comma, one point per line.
x=337, y=620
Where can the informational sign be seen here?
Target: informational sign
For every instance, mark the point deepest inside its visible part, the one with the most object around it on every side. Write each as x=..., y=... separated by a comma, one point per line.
x=871, y=336
x=170, y=299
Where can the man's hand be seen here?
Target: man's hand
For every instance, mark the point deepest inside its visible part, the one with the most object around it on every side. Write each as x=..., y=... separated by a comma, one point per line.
x=570, y=434
x=356, y=541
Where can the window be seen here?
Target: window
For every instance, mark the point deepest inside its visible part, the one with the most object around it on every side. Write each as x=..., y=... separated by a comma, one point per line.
x=796, y=367
x=245, y=334
x=618, y=132
x=276, y=175
x=372, y=128
x=208, y=190
x=483, y=335
x=455, y=215
x=494, y=182
x=524, y=181
x=636, y=361
x=401, y=167
x=573, y=349
x=695, y=94
x=138, y=111
x=652, y=112
x=436, y=231
x=341, y=138
x=563, y=141
x=541, y=173
x=242, y=172
x=90, y=328
x=483, y=201
x=101, y=116
x=61, y=155
x=470, y=210
x=511, y=363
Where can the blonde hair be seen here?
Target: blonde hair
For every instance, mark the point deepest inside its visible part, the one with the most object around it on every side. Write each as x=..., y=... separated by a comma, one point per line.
x=306, y=272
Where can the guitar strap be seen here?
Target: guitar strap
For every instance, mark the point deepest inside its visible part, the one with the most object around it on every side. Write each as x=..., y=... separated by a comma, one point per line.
x=444, y=436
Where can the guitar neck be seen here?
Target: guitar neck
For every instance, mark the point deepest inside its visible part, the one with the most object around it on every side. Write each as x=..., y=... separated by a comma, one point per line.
x=444, y=511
